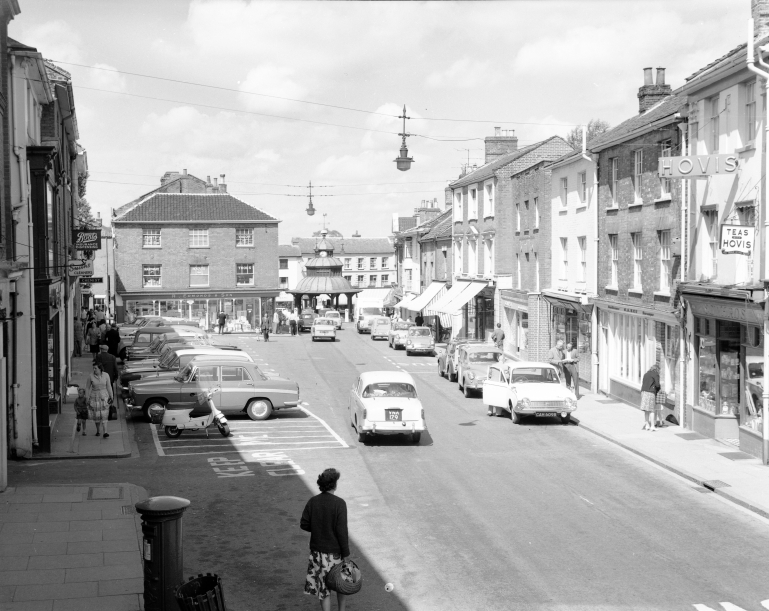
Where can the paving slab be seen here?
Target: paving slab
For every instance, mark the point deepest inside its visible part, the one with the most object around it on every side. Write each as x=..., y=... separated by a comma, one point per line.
x=121, y=586
x=127, y=602
x=31, y=576
x=66, y=561
x=30, y=605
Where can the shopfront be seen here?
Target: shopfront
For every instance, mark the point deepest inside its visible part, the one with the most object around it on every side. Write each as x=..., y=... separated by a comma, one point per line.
x=572, y=321
x=244, y=310
x=514, y=307
x=478, y=315
x=728, y=370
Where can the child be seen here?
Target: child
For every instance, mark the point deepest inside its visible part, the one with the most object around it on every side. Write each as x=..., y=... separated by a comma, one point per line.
x=81, y=409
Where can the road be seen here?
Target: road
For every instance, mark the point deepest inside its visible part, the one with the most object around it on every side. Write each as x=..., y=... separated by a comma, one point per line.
x=482, y=514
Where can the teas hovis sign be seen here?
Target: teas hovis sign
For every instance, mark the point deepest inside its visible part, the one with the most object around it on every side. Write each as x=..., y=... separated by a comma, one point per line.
x=737, y=239
x=86, y=239
x=695, y=166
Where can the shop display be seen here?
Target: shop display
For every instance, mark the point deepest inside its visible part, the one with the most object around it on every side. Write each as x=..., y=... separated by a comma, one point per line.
x=708, y=374
x=730, y=376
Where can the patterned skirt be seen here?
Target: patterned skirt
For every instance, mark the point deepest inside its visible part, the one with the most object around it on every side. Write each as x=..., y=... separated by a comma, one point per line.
x=98, y=408
x=648, y=403
x=318, y=567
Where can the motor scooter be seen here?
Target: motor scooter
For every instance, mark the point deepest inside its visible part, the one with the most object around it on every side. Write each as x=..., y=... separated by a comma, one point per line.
x=178, y=417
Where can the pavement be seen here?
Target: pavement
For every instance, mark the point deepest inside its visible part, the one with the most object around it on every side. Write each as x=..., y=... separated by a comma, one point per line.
x=712, y=464
x=71, y=547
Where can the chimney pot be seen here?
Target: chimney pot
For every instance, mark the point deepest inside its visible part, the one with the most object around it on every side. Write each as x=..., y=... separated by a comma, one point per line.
x=208, y=179
x=648, y=76
x=215, y=181
x=184, y=172
x=221, y=176
x=497, y=132
x=660, y=77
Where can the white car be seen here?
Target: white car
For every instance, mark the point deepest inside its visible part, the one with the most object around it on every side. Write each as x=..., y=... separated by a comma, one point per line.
x=323, y=328
x=528, y=389
x=386, y=403
x=336, y=317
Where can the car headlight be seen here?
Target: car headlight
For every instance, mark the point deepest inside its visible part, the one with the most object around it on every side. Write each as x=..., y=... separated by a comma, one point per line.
x=471, y=375
x=408, y=343
x=524, y=403
x=571, y=402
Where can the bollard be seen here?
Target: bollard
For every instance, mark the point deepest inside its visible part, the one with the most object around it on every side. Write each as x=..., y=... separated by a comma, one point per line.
x=162, y=550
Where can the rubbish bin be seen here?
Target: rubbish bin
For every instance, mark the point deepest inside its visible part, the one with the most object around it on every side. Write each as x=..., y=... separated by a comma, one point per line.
x=201, y=593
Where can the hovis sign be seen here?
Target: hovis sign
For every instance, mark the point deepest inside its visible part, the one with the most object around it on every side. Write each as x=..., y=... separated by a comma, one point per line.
x=695, y=166
x=737, y=239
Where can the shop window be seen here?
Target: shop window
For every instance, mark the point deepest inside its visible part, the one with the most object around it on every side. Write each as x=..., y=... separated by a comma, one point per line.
x=198, y=275
x=667, y=352
x=198, y=238
x=244, y=237
x=151, y=275
x=630, y=355
x=151, y=238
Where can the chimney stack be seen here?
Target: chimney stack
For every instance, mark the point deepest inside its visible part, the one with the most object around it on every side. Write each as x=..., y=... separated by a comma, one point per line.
x=759, y=10
x=184, y=172
x=222, y=184
x=651, y=93
x=215, y=182
x=501, y=143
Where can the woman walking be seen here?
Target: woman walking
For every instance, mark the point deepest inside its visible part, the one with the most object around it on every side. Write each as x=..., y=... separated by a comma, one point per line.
x=98, y=391
x=325, y=517
x=92, y=338
x=649, y=389
x=266, y=328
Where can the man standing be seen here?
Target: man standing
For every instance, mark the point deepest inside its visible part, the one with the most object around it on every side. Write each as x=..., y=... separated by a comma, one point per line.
x=265, y=328
x=77, y=332
x=276, y=322
x=292, y=319
x=222, y=320
x=112, y=338
x=419, y=320
x=571, y=369
x=498, y=337
x=555, y=357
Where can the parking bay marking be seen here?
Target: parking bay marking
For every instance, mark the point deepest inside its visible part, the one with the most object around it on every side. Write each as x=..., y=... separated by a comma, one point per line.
x=278, y=435
x=278, y=463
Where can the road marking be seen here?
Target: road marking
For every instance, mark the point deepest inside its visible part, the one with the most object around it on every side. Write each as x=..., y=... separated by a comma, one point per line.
x=158, y=447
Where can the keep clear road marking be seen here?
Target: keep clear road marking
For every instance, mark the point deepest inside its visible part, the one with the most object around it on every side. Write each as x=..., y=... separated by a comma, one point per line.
x=276, y=435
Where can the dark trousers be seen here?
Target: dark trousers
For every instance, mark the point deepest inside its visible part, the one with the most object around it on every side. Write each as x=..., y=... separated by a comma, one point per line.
x=571, y=374
x=292, y=324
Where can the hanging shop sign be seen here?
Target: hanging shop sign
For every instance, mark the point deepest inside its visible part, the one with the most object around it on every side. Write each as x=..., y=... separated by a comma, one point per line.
x=737, y=239
x=81, y=268
x=694, y=166
x=86, y=239
x=94, y=280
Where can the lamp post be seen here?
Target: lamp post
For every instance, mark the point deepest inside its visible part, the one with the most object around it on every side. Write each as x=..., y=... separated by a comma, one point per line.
x=310, y=210
x=403, y=163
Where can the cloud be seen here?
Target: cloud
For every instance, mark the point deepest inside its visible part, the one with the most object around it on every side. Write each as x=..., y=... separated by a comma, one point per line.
x=464, y=73
x=276, y=82
x=104, y=76
x=57, y=40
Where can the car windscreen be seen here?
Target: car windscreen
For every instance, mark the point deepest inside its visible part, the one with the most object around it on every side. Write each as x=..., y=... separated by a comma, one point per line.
x=333, y=315
x=184, y=373
x=534, y=374
x=401, y=326
x=370, y=311
x=167, y=359
x=390, y=389
x=420, y=332
x=484, y=357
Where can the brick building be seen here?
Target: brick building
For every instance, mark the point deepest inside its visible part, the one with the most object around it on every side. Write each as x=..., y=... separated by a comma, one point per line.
x=638, y=256
x=408, y=249
x=191, y=249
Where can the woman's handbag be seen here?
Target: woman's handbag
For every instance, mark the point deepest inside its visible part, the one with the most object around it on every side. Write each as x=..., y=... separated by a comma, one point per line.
x=661, y=397
x=345, y=578
x=112, y=410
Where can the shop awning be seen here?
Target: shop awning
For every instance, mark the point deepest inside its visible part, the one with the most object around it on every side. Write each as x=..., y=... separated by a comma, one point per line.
x=456, y=289
x=404, y=303
x=467, y=292
x=419, y=303
x=572, y=303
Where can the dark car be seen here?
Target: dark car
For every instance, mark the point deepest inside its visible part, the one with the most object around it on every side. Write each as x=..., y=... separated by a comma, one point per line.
x=447, y=359
x=306, y=319
x=243, y=388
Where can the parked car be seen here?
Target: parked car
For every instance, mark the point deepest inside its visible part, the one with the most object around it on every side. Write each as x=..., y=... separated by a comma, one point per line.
x=365, y=313
x=323, y=328
x=162, y=343
x=306, y=318
x=145, y=336
x=447, y=359
x=398, y=332
x=473, y=361
x=336, y=317
x=528, y=389
x=386, y=403
x=243, y=388
x=420, y=339
x=380, y=327
x=755, y=380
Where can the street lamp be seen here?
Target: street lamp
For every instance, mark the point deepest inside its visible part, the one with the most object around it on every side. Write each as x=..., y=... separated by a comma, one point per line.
x=310, y=210
x=403, y=163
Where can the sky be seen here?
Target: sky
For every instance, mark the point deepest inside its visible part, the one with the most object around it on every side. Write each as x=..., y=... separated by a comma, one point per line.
x=277, y=94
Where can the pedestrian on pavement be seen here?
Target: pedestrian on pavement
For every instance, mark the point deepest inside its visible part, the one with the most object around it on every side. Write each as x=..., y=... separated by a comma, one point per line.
x=77, y=336
x=222, y=320
x=276, y=322
x=556, y=356
x=112, y=339
x=98, y=391
x=81, y=409
x=108, y=364
x=325, y=518
x=99, y=315
x=266, y=328
x=92, y=338
x=498, y=337
x=292, y=320
x=102, y=330
x=571, y=369
x=419, y=320
x=650, y=386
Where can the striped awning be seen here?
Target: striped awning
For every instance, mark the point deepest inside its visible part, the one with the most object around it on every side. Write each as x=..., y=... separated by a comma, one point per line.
x=420, y=302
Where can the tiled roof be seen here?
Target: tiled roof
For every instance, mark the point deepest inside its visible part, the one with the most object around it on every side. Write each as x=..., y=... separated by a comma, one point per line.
x=15, y=44
x=441, y=228
x=425, y=226
x=181, y=207
x=56, y=73
x=668, y=107
x=287, y=250
x=348, y=246
x=717, y=62
x=163, y=188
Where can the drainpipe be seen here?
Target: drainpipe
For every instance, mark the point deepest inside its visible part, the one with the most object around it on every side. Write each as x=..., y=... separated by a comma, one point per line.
x=594, y=315
x=765, y=395
x=684, y=240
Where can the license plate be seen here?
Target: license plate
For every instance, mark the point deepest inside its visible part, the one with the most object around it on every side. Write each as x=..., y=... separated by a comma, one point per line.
x=394, y=415
x=546, y=414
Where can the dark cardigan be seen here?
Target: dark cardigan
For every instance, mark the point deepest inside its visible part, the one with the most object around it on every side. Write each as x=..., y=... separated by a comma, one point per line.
x=651, y=381
x=325, y=518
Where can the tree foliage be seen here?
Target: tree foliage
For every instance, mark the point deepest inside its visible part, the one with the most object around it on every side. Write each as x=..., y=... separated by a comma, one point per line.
x=84, y=217
x=595, y=128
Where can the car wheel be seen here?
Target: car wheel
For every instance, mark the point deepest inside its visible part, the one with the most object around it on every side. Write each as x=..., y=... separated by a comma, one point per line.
x=408, y=352
x=361, y=437
x=149, y=405
x=460, y=381
x=440, y=371
x=452, y=376
x=566, y=419
x=516, y=416
x=259, y=409
x=415, y=437
x=173, y=432
x=467, y=392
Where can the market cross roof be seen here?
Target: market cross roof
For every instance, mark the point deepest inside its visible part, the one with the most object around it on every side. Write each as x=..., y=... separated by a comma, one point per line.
x=181, y=207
